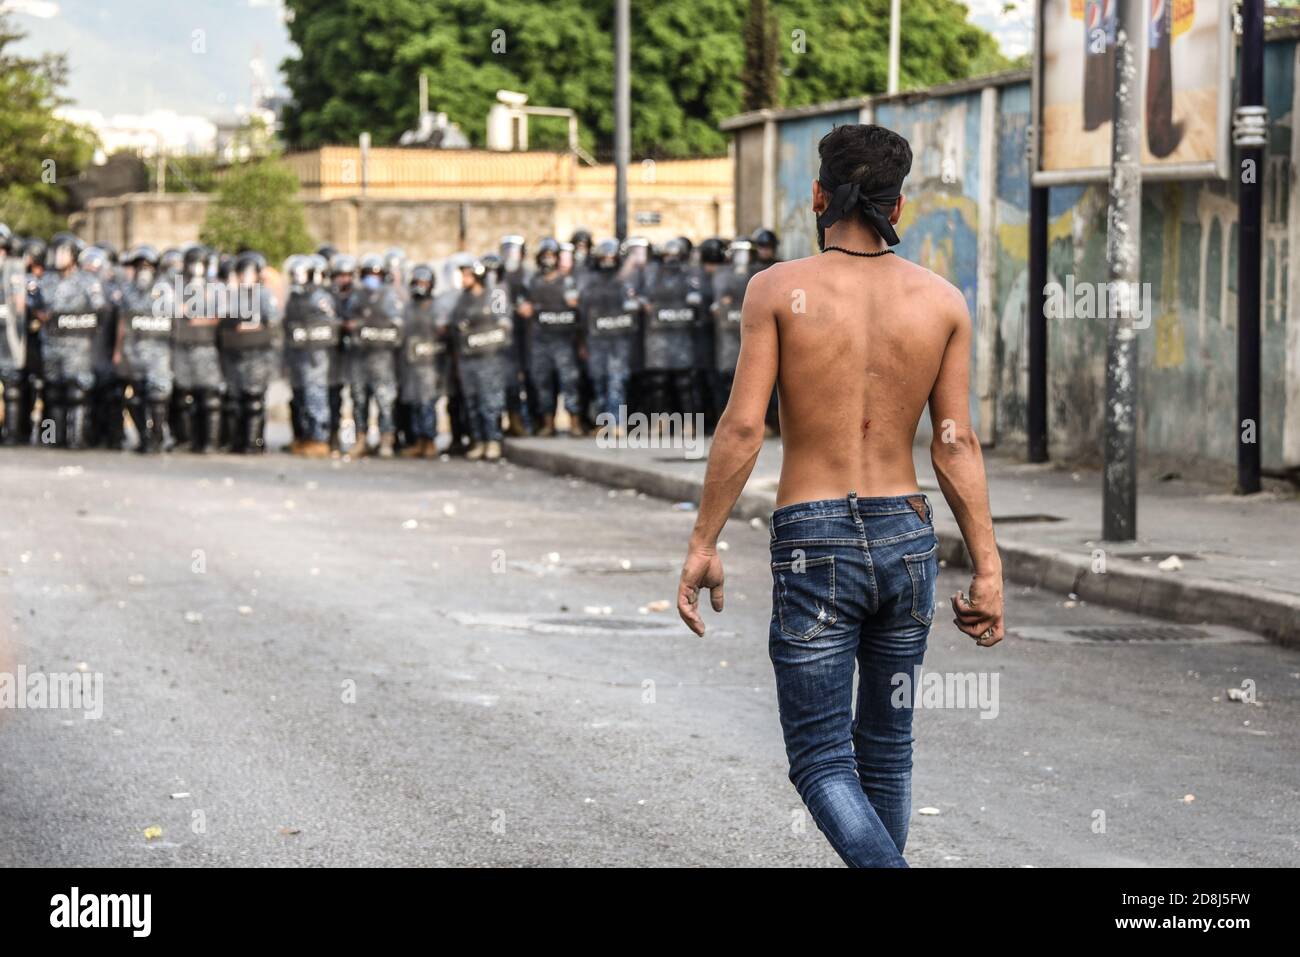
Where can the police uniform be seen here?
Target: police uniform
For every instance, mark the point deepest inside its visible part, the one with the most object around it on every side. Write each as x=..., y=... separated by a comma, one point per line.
x=423, y=353
x=74, y=306
x=553, y=341
x=311, y=341
x=250, y=343
x=13, y=347
x=147, y=321
x=730, y=296
x=196, y=364
x=484, y=346
x=611, y=321
x=673, y=301
x=373, y=344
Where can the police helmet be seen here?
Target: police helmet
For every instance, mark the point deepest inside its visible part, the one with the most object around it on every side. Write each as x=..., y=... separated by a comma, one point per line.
x=144, y=253
x=606, y=255
x=341, y=264
x=548, y=247
x=372, y=264
x=713, y=250
x=764, y=237
x=92, y=259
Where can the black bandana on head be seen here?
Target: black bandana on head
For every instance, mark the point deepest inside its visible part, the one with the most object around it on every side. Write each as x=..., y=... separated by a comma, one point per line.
x=875, y=206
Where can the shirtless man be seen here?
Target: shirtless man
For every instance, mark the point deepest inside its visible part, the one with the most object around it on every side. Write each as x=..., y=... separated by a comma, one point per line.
x=858, y=342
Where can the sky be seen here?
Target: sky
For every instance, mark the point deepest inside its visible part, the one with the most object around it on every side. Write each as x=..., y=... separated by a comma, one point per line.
x=192, y=56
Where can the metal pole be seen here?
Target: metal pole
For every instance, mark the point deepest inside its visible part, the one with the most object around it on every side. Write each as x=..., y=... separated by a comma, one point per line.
x=365, y=162
x=895, y=32
x=1036, y=423
x=162, y=166
x=1124, y=259
x=622, y=113
x=1250, y=135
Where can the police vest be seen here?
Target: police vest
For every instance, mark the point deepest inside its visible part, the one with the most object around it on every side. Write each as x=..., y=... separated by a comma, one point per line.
x=480, y=331
x=609, y=309
x=309, y=322
x=241, y=334
x=377, y=327
x=139, y=323
x=670, y=301
x=553, y=313
x=193, y=325
x=421, y=347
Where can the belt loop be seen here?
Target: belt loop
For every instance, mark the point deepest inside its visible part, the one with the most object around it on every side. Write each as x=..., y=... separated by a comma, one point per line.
x=853, y=508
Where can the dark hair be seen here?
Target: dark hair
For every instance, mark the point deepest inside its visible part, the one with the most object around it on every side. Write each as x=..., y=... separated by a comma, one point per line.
x=867, y=154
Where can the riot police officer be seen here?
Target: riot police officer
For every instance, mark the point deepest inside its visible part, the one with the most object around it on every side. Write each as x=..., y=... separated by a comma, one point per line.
x=248, y=336
x=374, y=327
x=521, y=404
x=342, y=277
x=71, y=306
x=107, y=403
x=143, y=350
x=611, y=322
x=196, y=358
x=764, y=243
x=551, y=308
x=13, y=339
x=729, y=296
x=311, y=338
x=581, y=241
x=673, y=301
x=423, y=346
x=484, y=334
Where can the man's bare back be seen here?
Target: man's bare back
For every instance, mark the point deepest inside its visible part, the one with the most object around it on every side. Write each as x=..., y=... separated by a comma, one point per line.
x=862, y=342
x=857, y=342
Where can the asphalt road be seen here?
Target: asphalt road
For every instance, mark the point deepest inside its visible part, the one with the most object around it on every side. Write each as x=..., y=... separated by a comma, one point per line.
x=447, y=664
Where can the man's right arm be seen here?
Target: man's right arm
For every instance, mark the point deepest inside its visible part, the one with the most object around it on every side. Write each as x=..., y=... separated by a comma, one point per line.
x=959, y=467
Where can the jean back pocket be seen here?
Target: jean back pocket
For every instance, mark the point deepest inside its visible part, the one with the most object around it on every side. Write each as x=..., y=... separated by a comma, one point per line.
x=805, y=596
x=923, y=569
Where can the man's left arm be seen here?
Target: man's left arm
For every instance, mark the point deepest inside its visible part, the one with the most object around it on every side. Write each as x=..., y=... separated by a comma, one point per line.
x=733, y=452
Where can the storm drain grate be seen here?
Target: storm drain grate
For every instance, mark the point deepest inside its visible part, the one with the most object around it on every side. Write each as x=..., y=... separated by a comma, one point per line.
x=573, y=624
x=1135, y=633
x=1138, y=633
x=1026, y=518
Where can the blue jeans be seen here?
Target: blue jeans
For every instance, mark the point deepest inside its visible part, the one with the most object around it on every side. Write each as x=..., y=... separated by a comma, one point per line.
x=852, y=582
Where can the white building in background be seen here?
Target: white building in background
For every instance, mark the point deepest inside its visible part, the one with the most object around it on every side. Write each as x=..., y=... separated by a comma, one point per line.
x=146, y=133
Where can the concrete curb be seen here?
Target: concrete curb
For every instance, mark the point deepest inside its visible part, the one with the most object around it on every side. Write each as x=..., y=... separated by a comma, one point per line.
x=1127, y=585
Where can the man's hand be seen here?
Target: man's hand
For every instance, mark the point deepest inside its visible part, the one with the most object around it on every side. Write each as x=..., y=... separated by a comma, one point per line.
x=702, y=569
x=980, y=615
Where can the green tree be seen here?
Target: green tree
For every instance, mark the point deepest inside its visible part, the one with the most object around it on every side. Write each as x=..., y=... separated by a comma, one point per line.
x=360, y=61
x=38, y=150
x=761, y=79
x=256, y=207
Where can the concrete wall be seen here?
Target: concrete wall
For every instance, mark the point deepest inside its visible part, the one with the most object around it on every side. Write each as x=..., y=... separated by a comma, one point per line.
x=425, y=228
x=967, y=218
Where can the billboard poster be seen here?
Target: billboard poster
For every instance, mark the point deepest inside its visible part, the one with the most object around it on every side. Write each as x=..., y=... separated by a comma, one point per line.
x=1185, y=63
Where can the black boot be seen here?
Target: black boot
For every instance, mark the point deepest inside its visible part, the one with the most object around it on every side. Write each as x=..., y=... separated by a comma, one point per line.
x=13, y=414
x=75, y=424
x=213, y=412
x=182, y=410
x=140, y=419
x=157, y=418
x=54, y=418
x=253, y=420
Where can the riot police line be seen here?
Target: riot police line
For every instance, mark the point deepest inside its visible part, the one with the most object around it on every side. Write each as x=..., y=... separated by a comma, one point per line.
x=185, y=342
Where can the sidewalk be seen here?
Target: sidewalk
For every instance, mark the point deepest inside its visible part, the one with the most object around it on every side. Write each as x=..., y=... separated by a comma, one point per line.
x=1240, y=557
